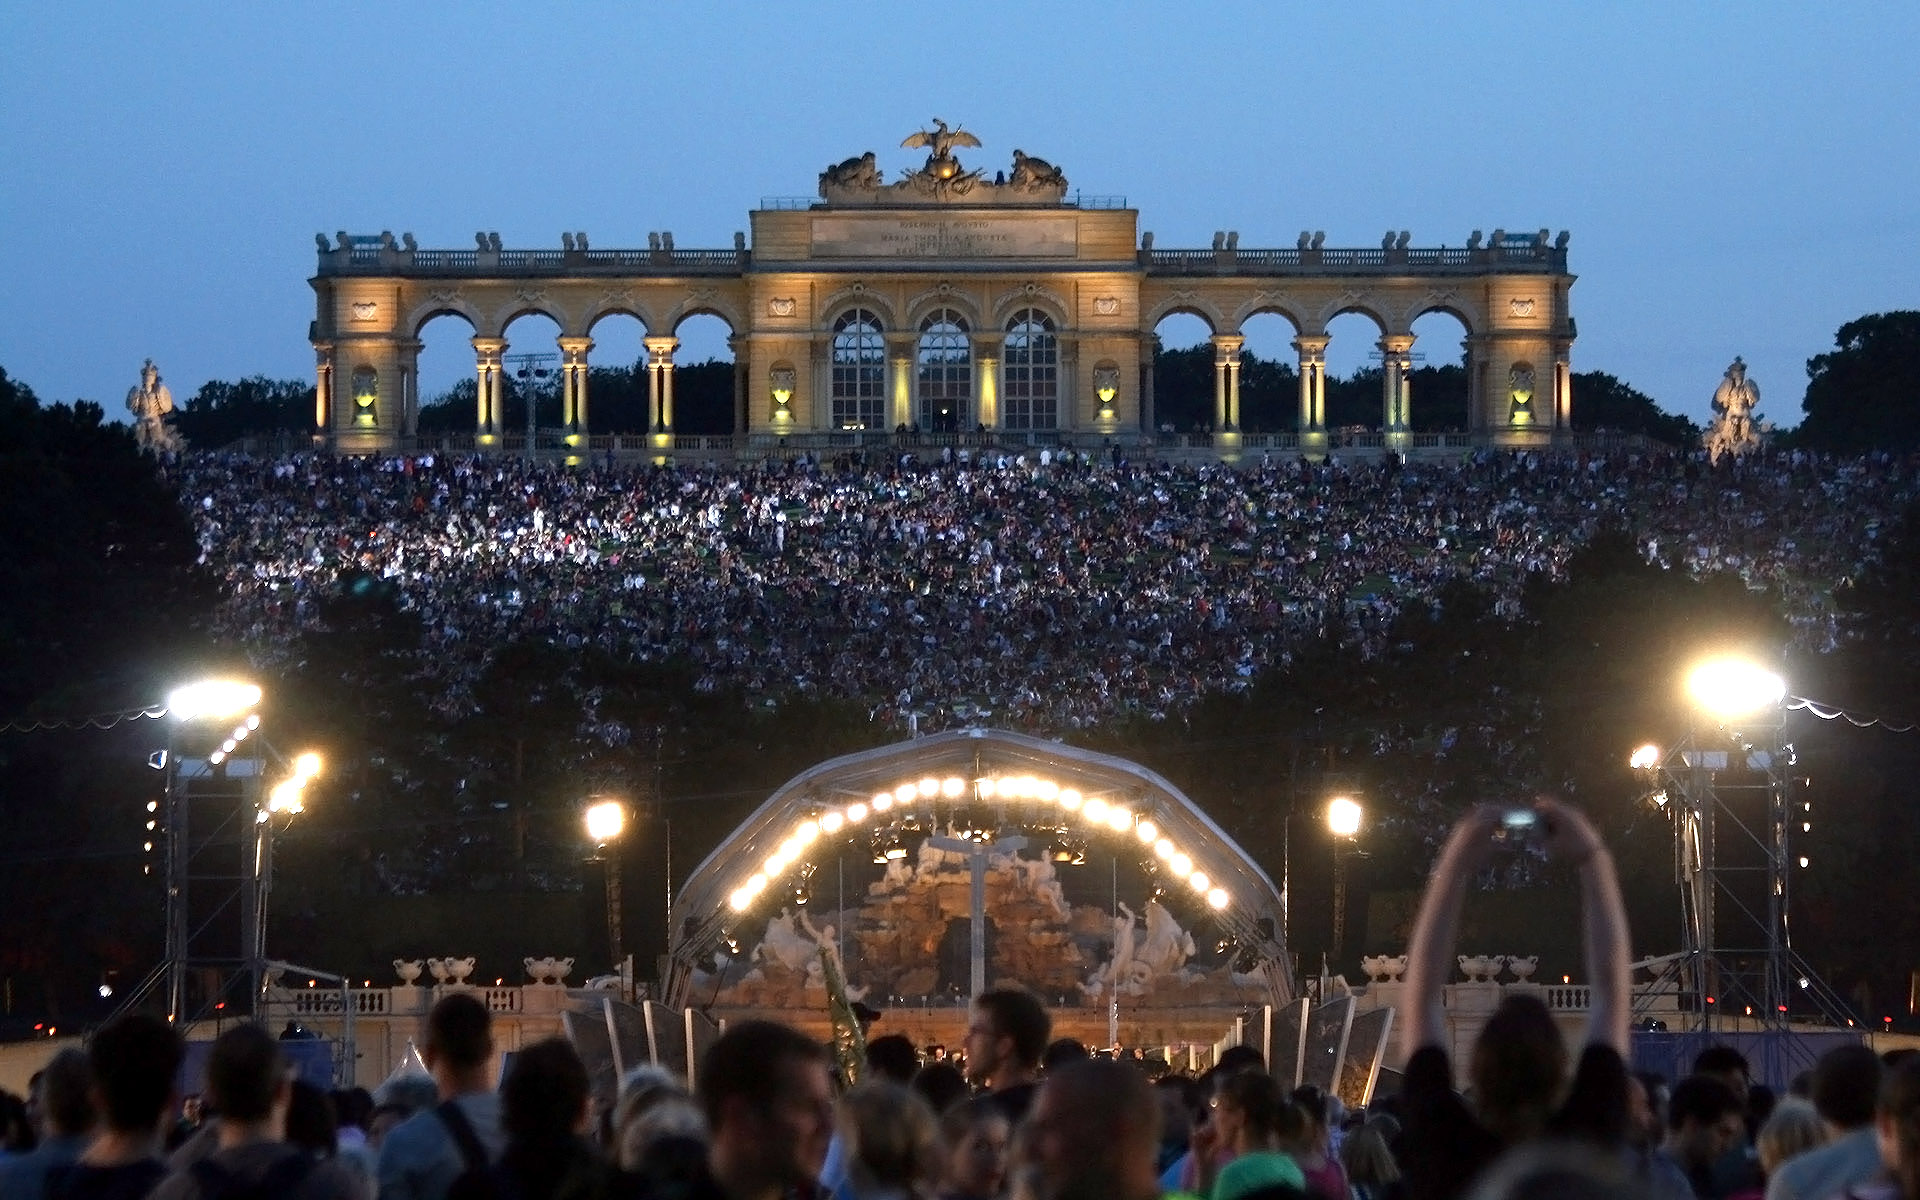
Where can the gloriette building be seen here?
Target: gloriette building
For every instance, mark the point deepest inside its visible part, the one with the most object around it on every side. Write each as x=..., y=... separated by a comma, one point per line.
x=966, y=304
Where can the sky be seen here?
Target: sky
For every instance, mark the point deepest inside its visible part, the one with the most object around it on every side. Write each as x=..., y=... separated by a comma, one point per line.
x=1737, y=179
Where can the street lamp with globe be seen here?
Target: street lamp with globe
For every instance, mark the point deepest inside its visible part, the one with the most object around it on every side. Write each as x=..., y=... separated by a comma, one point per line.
x=605, y=821
x=1344, y=817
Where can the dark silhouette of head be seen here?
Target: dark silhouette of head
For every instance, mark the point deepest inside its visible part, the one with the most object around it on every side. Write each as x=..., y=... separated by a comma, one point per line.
x=1519, y=1069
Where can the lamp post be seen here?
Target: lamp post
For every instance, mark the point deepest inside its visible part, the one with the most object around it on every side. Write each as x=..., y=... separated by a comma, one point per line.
x=530, y=370
x=1343, y=821
x=606, y=820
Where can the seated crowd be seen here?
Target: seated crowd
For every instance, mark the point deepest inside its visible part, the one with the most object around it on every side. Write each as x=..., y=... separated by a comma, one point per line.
x=1028, y=1118
x=1046, y=596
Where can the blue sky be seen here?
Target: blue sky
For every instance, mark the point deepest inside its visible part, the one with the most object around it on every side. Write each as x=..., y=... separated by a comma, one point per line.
x=1738, y=179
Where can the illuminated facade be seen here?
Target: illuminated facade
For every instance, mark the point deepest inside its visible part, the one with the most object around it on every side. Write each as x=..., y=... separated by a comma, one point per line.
x=947, y=303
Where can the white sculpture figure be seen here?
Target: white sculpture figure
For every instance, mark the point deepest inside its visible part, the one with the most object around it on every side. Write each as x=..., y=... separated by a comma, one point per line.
x=1167, y=947
x=437, y=967
x=151, y=403
x=785, y=945
x=460, y=968
x=1523, y=968
x=408, y=970
x=1735, y=428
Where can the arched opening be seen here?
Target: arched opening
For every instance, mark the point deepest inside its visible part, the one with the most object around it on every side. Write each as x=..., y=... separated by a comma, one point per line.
x=1182, y=373
x=617, y=375
x=706, y=394
x=857, y=389
x=943, y=376
x=444, y=371
x=1269, y=375
x=1438, y=383
x=530, y=376
x=1354, y=374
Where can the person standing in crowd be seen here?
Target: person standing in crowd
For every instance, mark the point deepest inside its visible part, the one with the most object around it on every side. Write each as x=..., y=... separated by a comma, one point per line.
x=892, y=1143
x=134, y=1060
x=1897, y=1124
x=768, y=1100
x=64, y=1091
x=1252, y=1118
x=1519, y=1067
x=1092, y=1134
x=1739, y=1168
x=421, y=1157
x=1007, y=1032
x=251, y=1087
x=1312, y=1147
x=1369, y=1165
x=975, y=1136
x=1846, y=1087
x=1792, y=1128
x=544, y=1109
x=1705, y=1120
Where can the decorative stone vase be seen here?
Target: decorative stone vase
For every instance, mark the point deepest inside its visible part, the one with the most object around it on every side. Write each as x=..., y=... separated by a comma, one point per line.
x=1396, y=967
x=437, y=967
x=1478, y=968
x=460, y=968
x=539, y=969
x=560, y=968
x=1523, y=968
x=408, y=970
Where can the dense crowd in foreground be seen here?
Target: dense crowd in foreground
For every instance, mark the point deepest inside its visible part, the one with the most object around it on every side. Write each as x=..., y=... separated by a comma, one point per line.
x=1039, y=593
x=1027, y=1119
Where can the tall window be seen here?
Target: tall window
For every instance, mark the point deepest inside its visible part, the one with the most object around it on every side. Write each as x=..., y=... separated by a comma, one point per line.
x=946, y=371
x=859, y=372
x=1032, y=396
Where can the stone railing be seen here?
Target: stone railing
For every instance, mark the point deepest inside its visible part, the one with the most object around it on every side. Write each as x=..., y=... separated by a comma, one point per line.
x=1529, y=255
x=382, y=255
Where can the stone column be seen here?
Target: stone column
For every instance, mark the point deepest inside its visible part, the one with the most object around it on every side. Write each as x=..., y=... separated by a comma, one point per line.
x=323, y=386
x=900, y=376
x=1312, y=349
x=986, y=376
x=573, y=384
x=742, y=414
x=1226, y=381
x=1149, y=347
x=409, y=356
x=660, y=382
x=1395, y=362
x=487, y=355
x=1562, y=391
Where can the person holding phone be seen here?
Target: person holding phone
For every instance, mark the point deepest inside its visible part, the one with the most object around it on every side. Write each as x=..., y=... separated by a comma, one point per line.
x=1521, y=1085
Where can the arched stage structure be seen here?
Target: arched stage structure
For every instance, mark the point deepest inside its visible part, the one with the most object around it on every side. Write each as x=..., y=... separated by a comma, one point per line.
x=967, y=309
x=873, y=855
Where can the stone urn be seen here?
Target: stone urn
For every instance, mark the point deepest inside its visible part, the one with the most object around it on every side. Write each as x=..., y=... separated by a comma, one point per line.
x=408, y=969
x=1375, y=965
x=1523, y=968
x=437, y=967
x=560, y=968
x=1478, y=968
x=460, y=968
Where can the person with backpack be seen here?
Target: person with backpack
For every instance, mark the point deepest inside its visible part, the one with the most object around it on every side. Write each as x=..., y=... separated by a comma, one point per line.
x=420, y=1158
x=250, y=1083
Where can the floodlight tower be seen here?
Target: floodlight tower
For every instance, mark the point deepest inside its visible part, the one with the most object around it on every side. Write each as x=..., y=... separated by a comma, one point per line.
x=1729, y=785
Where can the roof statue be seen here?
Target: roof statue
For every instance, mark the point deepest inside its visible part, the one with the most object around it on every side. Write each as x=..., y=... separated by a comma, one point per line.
x=151, y=403
x=942, y=179
x=1736, y=427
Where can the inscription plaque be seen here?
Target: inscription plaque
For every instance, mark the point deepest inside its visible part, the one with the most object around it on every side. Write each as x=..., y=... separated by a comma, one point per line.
x=864, y=235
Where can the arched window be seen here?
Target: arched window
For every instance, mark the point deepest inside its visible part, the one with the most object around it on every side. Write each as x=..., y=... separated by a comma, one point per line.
x=1032, y=372
x=859, y=372
x=946, y=372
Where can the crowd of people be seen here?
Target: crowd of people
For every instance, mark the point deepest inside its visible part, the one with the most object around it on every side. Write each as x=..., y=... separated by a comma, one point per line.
x=1020, y=1116
x=1047, y=592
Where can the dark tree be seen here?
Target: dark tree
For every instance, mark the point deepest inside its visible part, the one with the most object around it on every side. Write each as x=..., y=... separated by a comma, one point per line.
x=1601, y=401
x=221, y=413
x=1865, y=393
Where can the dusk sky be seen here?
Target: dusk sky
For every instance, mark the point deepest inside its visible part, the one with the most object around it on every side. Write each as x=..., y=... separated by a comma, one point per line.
x=1738, y=179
